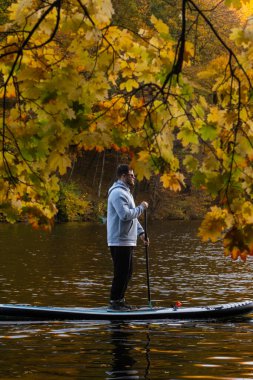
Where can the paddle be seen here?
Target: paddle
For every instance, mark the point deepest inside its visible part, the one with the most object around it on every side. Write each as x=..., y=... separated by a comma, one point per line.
x=147, y=258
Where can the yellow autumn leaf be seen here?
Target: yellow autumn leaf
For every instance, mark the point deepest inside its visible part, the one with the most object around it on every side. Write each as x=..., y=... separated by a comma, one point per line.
x=60, y=162
x=11, y=90
x=214, y=115
x=127, y=65
x=173, y=181
x=189, y=51
x=142, y=165
x=247, y=212
x=144, y=156
x=244, y=114
x=160, y=26
x=215, y=223
x=129, y=85
x=203, y=102
x=155, y=42
x=235, y=253
x=4, y=190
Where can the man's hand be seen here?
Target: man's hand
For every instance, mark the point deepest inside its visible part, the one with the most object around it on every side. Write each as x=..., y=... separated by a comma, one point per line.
x=146, y=242
x=144, y=205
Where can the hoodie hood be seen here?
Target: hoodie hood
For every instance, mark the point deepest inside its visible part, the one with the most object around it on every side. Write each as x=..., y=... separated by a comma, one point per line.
x=118, y=184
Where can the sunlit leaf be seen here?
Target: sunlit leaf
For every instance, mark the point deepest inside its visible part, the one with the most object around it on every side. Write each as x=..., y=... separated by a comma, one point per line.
x=215, y=223
x=173, y=181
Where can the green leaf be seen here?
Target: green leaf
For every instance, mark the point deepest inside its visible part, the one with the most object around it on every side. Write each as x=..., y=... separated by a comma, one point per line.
x=198, y=179
x=191, y=163
x=187, y=136
x=208, y=132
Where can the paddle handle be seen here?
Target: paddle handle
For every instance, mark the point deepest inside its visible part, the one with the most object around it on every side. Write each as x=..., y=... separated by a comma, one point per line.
x=147, y=257
x=145, y=224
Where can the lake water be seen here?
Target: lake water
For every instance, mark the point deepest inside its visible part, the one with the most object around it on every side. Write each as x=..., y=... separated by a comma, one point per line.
x=72, y=267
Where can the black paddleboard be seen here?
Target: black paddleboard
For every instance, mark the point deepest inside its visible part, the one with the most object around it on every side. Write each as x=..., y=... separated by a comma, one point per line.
x=222, y=311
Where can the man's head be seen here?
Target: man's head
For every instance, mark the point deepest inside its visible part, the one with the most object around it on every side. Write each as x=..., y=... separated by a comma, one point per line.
x=126, y=174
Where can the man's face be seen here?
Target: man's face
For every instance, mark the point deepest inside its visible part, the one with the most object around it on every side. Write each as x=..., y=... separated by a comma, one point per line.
x=129, y=178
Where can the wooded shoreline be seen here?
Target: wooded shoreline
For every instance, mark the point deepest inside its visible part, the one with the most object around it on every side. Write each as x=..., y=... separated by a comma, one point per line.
x=94, y=173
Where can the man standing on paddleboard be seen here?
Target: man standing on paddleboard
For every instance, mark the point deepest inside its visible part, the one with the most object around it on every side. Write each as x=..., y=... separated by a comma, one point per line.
x=123, y=228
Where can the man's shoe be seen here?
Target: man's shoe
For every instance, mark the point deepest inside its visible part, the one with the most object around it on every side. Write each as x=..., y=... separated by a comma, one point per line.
x=123, y=303
x=119, y=305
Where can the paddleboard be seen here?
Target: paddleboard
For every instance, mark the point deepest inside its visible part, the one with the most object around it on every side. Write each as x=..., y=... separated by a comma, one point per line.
x=28, y=312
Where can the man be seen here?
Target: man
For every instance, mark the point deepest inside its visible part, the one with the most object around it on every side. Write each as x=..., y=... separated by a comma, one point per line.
x=123, y=228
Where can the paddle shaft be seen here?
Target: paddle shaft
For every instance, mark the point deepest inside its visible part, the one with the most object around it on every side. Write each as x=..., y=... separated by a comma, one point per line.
x=147, y=257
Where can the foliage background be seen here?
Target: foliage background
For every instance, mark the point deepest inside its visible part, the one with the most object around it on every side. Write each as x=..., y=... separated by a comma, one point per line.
x=168, y=89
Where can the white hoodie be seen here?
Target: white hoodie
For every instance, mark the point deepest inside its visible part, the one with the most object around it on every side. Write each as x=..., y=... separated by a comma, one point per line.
x=123, y=226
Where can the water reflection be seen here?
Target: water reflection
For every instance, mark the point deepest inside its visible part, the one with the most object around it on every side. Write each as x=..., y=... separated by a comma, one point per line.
x=122, y=361
x=126, y=344
x=152, y=351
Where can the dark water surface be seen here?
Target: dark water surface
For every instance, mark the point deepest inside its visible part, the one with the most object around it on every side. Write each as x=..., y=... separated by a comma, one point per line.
x=72, y=267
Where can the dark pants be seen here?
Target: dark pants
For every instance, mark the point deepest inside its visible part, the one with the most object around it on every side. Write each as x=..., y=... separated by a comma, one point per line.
x=122, y=258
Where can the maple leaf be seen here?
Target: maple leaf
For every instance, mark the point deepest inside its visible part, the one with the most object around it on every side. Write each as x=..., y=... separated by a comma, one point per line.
x=129, y=85
x=173, y=181
x=160, y=26
x=215, y=223
x=208, y=132
x=187, y=136
x=238, y=242
x=60, y=162
x=142, y=165
x=191, y=163
x=247, y=212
